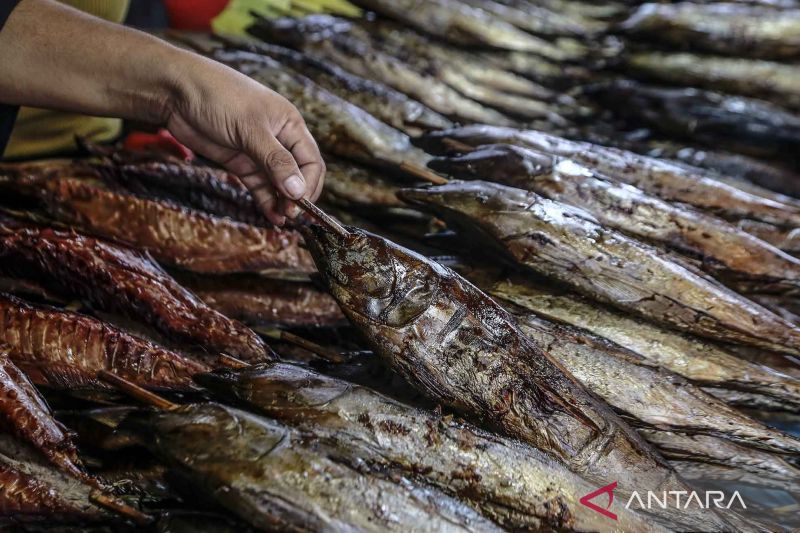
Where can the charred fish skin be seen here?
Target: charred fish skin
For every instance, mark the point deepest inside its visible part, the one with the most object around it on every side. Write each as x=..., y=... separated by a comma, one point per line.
x=262, y=471
x=459, y=347
x=667, y=180
x=726, y=28
x=648, y=394
x=725, y=250
x=65, y=350
x=32, y=491
x=517, y=486
x=175, y=235
x=25, y=414
x=118, y=279
x=699, y=361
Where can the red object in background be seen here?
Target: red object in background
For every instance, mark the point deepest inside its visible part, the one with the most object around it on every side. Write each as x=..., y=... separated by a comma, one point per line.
x=193, y=14
x=163, y=141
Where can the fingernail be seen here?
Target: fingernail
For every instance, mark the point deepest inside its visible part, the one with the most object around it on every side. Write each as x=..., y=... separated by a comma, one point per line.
x=295, y=186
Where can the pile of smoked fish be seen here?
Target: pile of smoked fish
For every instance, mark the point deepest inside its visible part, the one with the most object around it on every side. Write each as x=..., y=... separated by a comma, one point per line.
x=558, y=253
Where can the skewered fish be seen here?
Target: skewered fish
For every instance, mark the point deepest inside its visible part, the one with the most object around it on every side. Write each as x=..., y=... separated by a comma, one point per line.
x=776, y=82
x=349, y=185
x=256, y=301
x=670, y=181
x=24, y=413
x=517, y=486
x=175, y=235
x=650, y=396
x=569, y=245
x=459, y=347
x=461, y=24
x=787, y=240
x=724, y=250
x=118, y=279
x=719, y=27
x=739, y=124
x=361, y=58
x=32, y=490
x=66, y=350
x=277, y=479
x=699, y=361
x=384, y=102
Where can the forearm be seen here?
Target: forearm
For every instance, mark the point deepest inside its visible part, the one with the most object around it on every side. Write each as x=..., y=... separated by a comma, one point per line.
x=56, y=57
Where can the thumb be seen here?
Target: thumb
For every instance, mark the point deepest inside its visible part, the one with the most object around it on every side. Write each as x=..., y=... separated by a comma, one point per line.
x=281, y=168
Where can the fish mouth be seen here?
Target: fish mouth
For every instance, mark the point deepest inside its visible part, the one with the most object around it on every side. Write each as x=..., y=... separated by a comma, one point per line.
x=417, y=196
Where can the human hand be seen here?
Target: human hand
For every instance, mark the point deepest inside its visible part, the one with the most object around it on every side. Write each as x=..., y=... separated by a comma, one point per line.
x=250, y=130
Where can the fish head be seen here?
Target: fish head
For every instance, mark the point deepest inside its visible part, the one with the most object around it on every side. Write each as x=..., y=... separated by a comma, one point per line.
x=505, y=163
x=441, y=141
x=372, y=278
x=462, y=200
x=283, y=390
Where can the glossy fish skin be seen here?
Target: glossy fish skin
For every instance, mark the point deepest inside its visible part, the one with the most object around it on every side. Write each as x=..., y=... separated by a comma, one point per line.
x=32, y=490
x=257, y=301
x=787, y=240
x=649, y=395
x=205, y=188
x=277, y=479
x=667, y=180
x=385, y=103
x=459, y=347
x=517, y=486
x=361, y=58
x=724, y=249
x=464, y=25
x=568, y=245
x=540, y=20
x=175, y=235
x=25, y=414
x=739, y=124
x=65, y=350
x=725, y=28
x=776, y=82
x=699, y=361
x=117, y=279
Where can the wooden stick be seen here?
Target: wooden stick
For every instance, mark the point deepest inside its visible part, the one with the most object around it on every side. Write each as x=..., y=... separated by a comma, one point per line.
x=313, y=347
x=135, y=391
x=322, y=217
x=423, y=173
x=457, y=145
x=231, y=362
x=116, y=505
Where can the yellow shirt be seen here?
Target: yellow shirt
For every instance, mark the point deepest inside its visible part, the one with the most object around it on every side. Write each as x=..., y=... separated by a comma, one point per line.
x=39, y=132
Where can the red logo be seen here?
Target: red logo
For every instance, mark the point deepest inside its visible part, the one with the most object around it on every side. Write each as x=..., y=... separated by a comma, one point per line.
x=608, y=489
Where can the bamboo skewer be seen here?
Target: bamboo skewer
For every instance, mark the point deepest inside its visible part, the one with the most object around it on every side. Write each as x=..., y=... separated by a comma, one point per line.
x=135, y=391
x=325, y=353
x=116, y=505
x=323, y=217
x=231, y=362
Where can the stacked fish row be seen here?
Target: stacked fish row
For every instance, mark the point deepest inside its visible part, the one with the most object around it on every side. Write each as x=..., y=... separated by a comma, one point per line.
x=603, y=316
